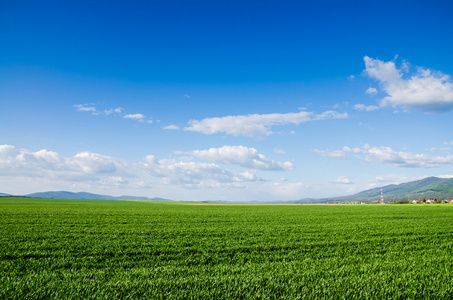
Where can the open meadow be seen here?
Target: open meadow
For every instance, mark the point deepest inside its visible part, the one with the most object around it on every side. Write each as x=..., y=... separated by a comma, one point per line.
x=79, y=249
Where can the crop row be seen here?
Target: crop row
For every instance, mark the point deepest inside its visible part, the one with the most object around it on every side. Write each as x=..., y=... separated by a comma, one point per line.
x=123, y=249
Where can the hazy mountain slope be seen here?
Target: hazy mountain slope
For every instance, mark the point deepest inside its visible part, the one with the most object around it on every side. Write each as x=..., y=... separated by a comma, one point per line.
x=83, y=195
x=431, y=187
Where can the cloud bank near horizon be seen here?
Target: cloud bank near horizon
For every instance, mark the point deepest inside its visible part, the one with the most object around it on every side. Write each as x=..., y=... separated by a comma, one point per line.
x=388, y=155
x=182, y=171
x=175, y=178
x=243, y=156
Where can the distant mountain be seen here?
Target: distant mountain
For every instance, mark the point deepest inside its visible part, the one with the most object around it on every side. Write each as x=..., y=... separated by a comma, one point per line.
x=429, y=188
x=69, y=195
x=141, y=198
x=83, y=195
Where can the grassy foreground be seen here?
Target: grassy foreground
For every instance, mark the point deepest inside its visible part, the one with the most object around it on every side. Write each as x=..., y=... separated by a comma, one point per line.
x=79, y=249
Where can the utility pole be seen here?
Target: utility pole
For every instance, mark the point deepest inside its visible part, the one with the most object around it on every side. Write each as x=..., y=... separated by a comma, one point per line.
x=382, y=196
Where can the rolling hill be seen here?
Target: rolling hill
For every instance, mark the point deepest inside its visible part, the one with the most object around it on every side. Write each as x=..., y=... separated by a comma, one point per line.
x=430, y=187
x=83, y=195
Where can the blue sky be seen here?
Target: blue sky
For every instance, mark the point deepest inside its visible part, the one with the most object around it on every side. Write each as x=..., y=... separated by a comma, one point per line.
x=224, y=100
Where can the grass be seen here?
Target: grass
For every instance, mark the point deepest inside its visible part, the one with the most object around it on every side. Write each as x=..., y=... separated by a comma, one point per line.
x=98, y=249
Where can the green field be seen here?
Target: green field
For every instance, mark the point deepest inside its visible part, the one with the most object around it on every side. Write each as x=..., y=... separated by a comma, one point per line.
x=80, y=249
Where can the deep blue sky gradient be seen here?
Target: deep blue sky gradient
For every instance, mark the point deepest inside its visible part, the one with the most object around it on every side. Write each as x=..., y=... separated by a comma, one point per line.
x=176, y=61
x=218, y=42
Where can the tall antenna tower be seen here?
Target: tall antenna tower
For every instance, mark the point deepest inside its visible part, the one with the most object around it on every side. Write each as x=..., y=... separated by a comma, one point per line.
x=382, y=196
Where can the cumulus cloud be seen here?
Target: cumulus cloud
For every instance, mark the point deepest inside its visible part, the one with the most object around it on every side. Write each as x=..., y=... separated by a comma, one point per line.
x=172, y=127
x=115, y=181
x=342, y=180
x=93, y=163
x=117, y=110
x=99, y=170
x=185, y=171
x=426, y=90
x=279, y=151
x=397, y=158
x=371, y=91
x=243, y=156
x=179, y=177
x=256, y=124
x=46, y=163
x=85, y=107
x=363, y=107
x=382, y=180
x=329, y=153
x=139, y=117
x=439, y=149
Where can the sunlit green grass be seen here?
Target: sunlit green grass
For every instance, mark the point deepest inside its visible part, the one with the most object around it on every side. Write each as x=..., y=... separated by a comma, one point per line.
x=130, y=249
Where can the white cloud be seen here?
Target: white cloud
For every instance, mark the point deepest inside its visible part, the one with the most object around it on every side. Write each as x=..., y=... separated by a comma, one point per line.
x=255, y=124
x=185, y=171
x=379, y=181
x=117, y=110
x=388, y=155
x=85, y=107
x=114, y=181
x=363, y=107
x=342, y=180
x=445, y=176
x=93, y=163
x=330, y=114
x=371, y=91
x=181, y=178
x=427, y=90
x=279, y=151
x=328, y=153
x=448, y=143
x=172, y=127
x=95, y=168
x=138, y=117
x=439, y=149
x=243, y=156
x=186, y=96
x=44, y=163
x=247, y=176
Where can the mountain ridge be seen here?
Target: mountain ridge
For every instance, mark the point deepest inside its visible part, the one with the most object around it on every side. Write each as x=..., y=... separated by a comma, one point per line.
x=426, y=188
x=85, y=196
x=429, y=187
